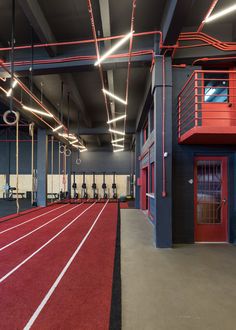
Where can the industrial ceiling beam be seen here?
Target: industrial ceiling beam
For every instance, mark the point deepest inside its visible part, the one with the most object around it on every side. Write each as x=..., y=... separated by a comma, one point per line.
x=35, y=16
x=39, y=23
x=106, y=28
x=76, y=97
x=173, y=19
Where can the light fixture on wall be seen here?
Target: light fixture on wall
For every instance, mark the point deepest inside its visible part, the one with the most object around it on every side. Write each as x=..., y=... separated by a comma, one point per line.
x=116, y=132
x=116, y=119
x=46, y=114
x=220, y=14
x=114, y=96
x=114, y=48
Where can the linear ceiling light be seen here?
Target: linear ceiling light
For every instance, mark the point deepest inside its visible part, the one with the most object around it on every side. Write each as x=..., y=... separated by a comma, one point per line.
x=117, y=140
x=114, y=96
x=75, y=141
x=83, y=150
x=220, y=14
x=114, y=48
x=116, y=119
x=118, y=150
x=37, y=111
x=57, y=128
x=15, y=82
x=9, y=92
x=118, y=145
x=116, y=132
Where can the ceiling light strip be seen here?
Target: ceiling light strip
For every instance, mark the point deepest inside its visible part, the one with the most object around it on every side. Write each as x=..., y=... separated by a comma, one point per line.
x=114, y=96
x=90, y=9
x=220, y=14
x=118, y=150
x=117, y=140
x=116, y=132
x=114, y=48
x=57, y=128
x=46, y=114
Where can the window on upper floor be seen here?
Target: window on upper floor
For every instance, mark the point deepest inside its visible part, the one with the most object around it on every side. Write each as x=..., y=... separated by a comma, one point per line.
x=216, y=87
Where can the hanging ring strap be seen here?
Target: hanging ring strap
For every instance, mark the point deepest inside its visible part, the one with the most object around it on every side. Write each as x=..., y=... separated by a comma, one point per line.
x=31, y=132
x=17, y=168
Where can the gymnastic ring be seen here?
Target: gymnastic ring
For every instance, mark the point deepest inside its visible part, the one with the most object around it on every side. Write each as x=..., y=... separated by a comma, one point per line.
x=67, y=152
x=78, y=161
x=62, y=149
x=11, y=123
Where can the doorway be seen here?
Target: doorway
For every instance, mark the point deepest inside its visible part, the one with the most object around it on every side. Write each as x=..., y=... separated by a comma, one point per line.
x=211, y=199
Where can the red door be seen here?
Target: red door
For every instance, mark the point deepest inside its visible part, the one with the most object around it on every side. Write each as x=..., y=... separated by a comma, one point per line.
x=211, y=199
x=144, y=188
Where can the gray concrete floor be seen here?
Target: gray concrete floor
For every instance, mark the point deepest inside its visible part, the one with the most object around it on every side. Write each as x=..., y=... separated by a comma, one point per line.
x=189, y=287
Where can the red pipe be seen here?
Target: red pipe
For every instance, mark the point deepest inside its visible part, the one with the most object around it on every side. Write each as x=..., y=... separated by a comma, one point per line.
x=70, y=43
x=205, y=59
x=32, y=96
x=212, y=6
x=20, y=104
x=129, y=61
x=163, y=128
x=80, y=58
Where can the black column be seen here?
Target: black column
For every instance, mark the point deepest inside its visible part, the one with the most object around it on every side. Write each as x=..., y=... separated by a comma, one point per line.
x=163, y=172
x=42, y=167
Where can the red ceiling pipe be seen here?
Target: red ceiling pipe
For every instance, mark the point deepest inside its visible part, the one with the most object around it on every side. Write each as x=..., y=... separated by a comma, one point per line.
x=20, y=104
x=80, y=58
x=33, y=97
x=212, y=6
x=71, y=43
x=129, y=61
x=192, y=36
x=206, y=59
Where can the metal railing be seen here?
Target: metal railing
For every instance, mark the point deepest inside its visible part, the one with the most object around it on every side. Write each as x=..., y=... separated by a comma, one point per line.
x=207, y=99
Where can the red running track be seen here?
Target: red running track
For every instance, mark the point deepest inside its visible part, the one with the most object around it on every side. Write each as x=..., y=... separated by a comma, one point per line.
x=67, y=284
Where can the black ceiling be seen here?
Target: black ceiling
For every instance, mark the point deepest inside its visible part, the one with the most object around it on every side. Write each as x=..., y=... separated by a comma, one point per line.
x=68, y=21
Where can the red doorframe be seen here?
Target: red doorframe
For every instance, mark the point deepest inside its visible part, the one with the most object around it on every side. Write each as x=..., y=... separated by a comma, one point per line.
x=144, y=187
x=212, y=232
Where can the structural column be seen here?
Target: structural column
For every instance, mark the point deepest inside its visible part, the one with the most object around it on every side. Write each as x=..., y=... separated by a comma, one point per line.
x=69, y=172
x=137, y=169
x=42, y=166
x=162, y=73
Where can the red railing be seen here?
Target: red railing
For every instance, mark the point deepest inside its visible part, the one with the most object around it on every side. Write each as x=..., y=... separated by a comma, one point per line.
x=207, y=99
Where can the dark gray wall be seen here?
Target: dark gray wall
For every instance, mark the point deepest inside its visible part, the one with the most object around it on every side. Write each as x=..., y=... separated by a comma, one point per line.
x=98, y=162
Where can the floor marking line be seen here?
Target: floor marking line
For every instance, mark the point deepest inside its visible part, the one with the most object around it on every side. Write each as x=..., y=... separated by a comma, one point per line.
x=42, y=247
x=36, y=229
x=38, y=216
x=55, y=284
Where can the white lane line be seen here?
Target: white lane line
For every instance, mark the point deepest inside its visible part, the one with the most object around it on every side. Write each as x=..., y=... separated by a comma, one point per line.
x=38, y=216
x=36, y=229
x=55, y=284
x=42, y=247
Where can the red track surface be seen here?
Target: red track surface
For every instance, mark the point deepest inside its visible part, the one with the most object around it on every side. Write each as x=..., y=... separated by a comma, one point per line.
x=82, y=298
